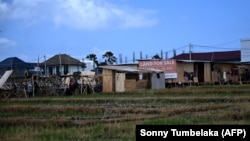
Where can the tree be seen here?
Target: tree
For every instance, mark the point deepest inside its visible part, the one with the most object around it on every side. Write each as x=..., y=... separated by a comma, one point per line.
x=93, y=58
x=103, y=63
x=110, y=58
x=156, y=56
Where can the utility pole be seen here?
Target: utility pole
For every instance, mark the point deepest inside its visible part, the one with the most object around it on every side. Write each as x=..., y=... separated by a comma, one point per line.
x=38, y=67
x=133, y=57
x=166, y=55
x=190, y=51
x=60, y=63
x=161, y=54
x=45, y=69
x=33, y=79
x=120, y=58
x=174, y=52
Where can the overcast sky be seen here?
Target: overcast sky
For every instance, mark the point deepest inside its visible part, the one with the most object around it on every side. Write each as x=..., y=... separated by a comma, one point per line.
x=32, y=29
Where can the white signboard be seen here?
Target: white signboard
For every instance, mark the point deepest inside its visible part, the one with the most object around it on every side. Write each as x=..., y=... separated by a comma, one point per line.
x=168, y=66
x=245, y=50
x=170, y=75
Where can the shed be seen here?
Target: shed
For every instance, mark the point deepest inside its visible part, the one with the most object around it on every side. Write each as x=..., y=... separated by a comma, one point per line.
x=211, y=68
x=127, y=79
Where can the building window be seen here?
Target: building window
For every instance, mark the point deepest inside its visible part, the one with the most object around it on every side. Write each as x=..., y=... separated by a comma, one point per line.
x=66, y=69
x=57, y=70
x=50, y=70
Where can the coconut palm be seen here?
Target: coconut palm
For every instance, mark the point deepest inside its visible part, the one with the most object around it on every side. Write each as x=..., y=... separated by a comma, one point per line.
x=110, y=58
x=93, y=58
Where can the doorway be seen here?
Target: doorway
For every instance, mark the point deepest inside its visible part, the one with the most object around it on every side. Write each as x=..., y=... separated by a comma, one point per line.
x=199, y=71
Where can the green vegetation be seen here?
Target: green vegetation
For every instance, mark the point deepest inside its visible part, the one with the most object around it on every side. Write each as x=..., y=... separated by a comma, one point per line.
x=113, y=116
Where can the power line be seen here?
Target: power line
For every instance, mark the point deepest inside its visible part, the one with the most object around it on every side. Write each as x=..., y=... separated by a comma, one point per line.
x=217, y=46
x=213, y=47
x=226, y=43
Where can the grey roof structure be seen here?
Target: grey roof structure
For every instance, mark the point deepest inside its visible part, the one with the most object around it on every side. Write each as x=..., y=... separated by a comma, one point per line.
x=14, y=62
x=62, y=59
x=130, y=69
x=211, y=56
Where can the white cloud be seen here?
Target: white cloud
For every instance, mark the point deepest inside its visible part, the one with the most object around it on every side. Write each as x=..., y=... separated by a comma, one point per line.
x=79, y=14
x=88, y=14
x=4, y=9
x=4, y=42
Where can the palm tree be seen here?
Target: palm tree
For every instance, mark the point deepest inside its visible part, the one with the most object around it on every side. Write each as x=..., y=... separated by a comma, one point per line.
x=110, y=58
x=93, y=58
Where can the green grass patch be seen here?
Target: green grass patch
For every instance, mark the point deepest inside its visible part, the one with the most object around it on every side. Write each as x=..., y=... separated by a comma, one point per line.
x=114, y=116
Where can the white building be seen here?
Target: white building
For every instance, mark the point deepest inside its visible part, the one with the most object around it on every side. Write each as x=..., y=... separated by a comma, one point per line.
x=62, y=64
x=245, y=50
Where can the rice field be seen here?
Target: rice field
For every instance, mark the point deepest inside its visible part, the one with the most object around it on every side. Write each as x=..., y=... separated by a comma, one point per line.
x=113, y=116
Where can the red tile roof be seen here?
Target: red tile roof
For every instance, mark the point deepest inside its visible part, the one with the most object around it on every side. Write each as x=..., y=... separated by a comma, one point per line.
x=211, y=56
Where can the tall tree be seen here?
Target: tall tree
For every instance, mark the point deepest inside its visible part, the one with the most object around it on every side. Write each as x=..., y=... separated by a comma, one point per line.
x=110, y=58
x=93, y=58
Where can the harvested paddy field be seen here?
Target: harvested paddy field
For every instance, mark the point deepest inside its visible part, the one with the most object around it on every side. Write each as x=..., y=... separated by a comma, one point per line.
x=113, y=116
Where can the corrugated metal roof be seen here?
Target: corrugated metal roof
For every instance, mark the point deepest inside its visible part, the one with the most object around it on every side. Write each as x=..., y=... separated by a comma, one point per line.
x=204, y=61
x=193, y=61
x=119, y=68
x=211, y=56
x=130, y=69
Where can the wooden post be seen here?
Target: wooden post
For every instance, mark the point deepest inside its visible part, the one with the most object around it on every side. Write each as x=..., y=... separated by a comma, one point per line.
x=33, y=87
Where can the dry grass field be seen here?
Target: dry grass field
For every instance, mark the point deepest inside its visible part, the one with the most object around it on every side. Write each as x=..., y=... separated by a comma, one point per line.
x=113, y=116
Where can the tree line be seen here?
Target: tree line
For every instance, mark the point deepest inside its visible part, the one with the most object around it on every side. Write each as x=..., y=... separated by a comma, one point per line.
x=109, y=57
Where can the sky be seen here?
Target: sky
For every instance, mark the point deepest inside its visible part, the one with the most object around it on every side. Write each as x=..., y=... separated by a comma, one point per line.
x=35, y=30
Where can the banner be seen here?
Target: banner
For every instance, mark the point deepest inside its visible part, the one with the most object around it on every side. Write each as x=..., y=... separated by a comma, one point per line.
x=168, y=66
